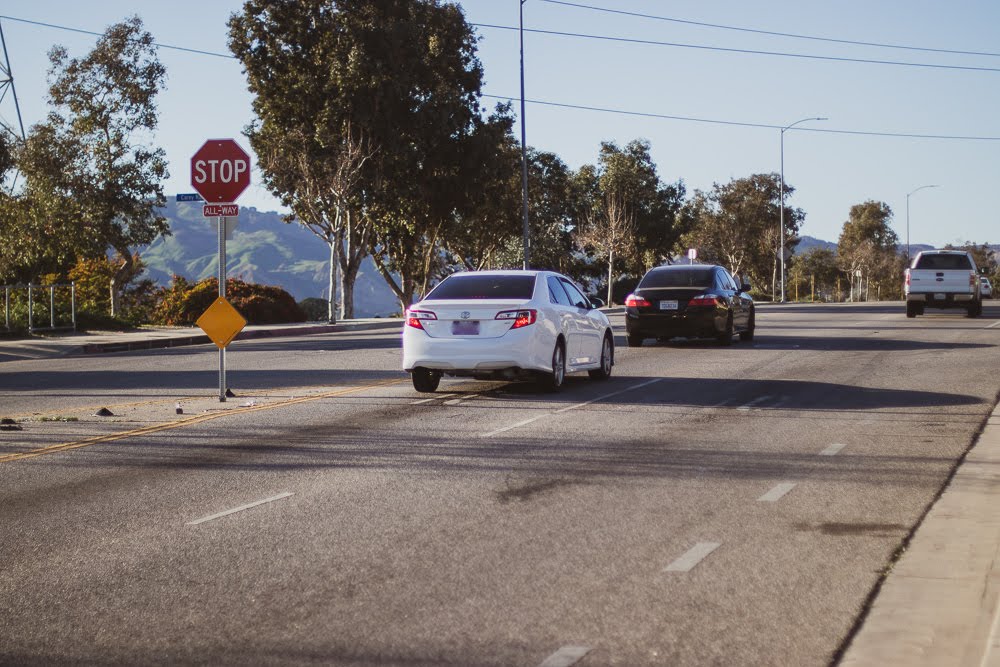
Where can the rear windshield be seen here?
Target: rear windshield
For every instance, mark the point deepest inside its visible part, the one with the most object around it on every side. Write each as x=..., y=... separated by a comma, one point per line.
x=471, y=286
x=944, y=262
x=693, y=277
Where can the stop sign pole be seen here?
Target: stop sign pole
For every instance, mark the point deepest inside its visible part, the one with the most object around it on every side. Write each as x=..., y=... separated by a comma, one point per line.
x=220, y=172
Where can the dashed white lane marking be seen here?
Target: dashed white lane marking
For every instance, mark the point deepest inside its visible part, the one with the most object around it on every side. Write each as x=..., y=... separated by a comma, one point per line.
x=239, y=509
x=756, y=401
x=832, y=450
x=566, y=656
x=694, y=555
x=456, y=401
x=567, y=409
x=775, y=494
x=995, y=324
x=430, y=400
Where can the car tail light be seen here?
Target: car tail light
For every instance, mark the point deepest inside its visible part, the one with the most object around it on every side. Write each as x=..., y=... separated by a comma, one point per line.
x=414, y=317
x=633, y=301
x=907, y=273
x=973, y=279
x=703, y=300
x=521, y=318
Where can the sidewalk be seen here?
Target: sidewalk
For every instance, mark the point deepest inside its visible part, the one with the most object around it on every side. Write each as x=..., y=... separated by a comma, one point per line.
x=147, y=338
x=939, y=605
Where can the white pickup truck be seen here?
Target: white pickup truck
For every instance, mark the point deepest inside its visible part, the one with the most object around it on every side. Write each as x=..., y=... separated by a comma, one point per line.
x=943, y=279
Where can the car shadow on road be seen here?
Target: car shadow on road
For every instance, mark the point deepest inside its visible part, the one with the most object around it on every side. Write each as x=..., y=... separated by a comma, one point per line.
x=728, y=392
x=869, y=343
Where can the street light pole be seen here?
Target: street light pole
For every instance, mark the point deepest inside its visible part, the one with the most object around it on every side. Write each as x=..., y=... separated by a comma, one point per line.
x=908, y=218
x=524, y=150
x=781, y=204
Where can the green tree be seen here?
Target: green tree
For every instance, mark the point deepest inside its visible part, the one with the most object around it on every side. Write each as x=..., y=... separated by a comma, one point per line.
x=91, y=180
x=398, y=77
x=867, y=250
x=628, y=215
x=553, y=202
x=312, y=137
x=815, y=271
x=736, y=224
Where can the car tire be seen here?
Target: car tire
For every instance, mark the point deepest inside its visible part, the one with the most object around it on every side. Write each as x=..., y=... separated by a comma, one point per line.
x=726, y=336
x=607, y=360
x=635, y=340
x=553, y=380
x=747, y=336
x=911, y=309
x=425, y=380
x=975, y=310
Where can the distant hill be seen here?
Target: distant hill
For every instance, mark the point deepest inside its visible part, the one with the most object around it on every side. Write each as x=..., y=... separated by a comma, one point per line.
x=263, y=250
x=808, y=243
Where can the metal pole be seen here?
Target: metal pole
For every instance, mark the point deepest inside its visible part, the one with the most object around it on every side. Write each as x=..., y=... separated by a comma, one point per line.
x=31, y=321
x=908, y=228
x=72, y=302
x=222, y=293
x=781, y=205
x=6, y=306
x=52, y=306
x=524, y=152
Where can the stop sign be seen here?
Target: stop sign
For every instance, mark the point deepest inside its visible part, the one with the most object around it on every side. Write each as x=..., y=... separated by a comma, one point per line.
x=220, y=171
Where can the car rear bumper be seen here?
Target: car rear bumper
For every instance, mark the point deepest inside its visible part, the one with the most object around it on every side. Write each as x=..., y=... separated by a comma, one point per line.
x=514, y=352
x=941, y=300
x=686, y=324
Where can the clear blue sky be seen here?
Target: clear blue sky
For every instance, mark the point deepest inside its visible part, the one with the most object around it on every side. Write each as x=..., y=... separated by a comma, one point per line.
x=206, y=96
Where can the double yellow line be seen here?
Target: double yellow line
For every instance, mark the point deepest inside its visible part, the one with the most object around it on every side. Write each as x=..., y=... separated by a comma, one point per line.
x=189, y=421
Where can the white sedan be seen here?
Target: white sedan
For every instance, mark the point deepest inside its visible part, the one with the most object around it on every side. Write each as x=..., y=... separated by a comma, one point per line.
x=506, y=325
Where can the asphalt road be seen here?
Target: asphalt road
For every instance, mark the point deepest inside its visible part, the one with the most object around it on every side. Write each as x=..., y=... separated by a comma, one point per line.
x=705, y=505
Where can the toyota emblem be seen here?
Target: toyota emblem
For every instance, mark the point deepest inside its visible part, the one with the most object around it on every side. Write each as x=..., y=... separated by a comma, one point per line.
x=466, y=314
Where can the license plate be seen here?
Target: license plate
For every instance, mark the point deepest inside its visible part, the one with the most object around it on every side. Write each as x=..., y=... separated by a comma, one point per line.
x=465, y=327
x=940, y=297
x=668, y=305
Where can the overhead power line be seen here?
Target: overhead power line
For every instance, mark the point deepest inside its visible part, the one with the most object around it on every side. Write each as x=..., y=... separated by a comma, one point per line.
x=101, y=34
x=650, y=42
x=773, y=33
x=693, y=119
x=580, y=106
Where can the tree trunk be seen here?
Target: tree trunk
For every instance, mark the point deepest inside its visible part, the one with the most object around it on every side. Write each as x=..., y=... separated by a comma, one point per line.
x=353, y=243
x=611, y=265
x=331, y=303
x=119, y=280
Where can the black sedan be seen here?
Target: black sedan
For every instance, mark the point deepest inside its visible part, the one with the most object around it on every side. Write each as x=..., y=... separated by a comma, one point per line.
x=689, y=301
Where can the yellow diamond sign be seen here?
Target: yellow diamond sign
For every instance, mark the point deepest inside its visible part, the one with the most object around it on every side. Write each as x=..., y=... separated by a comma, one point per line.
x=221, y=322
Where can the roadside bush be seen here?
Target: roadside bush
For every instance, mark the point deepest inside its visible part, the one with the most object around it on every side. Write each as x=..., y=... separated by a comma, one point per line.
x=315, y=309
x=182, y=303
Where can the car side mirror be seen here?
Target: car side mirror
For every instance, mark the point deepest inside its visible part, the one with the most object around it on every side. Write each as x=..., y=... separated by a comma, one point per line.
x=744, y=286
x=596, y=302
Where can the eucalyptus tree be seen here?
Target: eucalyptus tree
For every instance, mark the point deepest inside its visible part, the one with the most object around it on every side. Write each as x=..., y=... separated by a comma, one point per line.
x=867, y=249
x=398, y=78
x=315, y=135
x=629, y=215
x=93, y=178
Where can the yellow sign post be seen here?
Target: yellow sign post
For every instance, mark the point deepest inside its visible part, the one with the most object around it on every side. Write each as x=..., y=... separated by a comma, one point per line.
x=221, y=322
